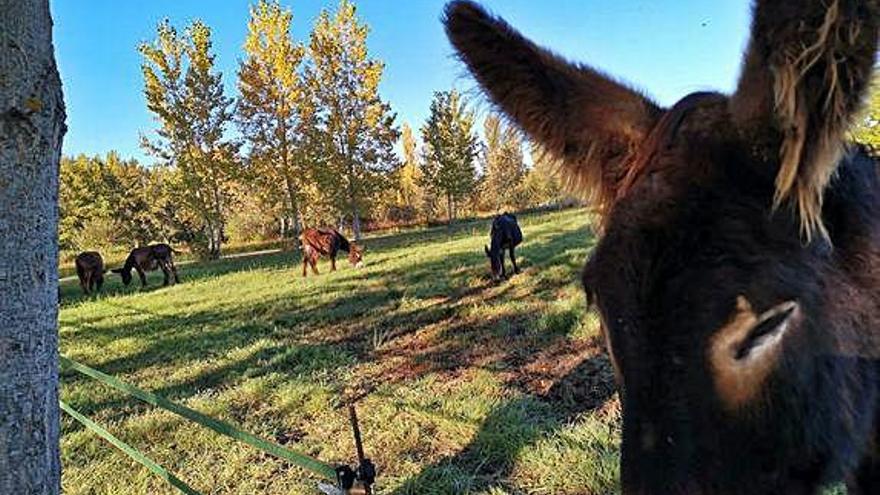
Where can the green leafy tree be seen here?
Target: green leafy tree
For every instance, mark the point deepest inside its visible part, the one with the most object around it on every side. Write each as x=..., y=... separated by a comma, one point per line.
x=868, y=130
x=409, y=190
x=503, y=166
x=105, y=202
x=127, y=192
x=354, y=152
x=81, y=201
x=451, y=147
x=185, y=93
x=541, y=185
x=276, y=112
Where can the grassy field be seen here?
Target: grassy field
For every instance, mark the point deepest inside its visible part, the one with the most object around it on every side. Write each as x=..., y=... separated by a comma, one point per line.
x=462, y=385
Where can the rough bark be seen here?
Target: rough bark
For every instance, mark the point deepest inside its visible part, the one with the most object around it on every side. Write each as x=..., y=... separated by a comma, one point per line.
x=450, y=211
x=353, y=201
x=292, y=213
x=31, y=130
x=356, y=223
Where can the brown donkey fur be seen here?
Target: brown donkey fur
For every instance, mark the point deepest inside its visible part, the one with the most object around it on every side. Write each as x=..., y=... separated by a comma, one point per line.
x=90, y=271
x=327, y=242
x=738, y=272
x=146, y=259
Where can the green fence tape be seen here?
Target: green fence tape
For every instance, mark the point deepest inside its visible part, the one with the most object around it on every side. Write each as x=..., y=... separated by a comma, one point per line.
x=128, y=449
x=318, y=467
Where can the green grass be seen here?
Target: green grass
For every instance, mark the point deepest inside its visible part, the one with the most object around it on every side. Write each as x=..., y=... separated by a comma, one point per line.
x=462, y=385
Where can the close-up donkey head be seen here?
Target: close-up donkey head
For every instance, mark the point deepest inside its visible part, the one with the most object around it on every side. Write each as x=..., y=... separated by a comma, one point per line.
x=739, y=257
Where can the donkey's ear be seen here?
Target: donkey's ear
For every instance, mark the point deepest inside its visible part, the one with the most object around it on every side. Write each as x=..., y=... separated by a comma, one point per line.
x=805, y=73
x=579, y=116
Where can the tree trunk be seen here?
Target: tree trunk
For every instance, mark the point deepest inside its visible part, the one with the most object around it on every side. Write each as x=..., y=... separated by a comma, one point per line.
x=31, y=130
x=352, y=198
x=217, y=227
x=449, y=212
x=292, y=212
x=299, y=222
x=216, y=241
x=356, y=223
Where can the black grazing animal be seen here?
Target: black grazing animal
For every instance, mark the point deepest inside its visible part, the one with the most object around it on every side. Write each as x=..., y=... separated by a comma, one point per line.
x=90, y=271
x=327, y=242
x=146, y=259
x=505, y=234
x=737, y=274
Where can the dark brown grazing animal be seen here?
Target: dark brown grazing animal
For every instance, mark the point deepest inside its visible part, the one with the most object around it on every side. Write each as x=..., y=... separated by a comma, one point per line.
x=738, y=270
x=146, y=259
x=505, y=234
x=327, y=242
x=90, y=270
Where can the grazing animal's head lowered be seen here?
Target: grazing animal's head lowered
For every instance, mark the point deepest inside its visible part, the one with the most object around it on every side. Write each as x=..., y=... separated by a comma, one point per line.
x=737, y=276
x=148, y=258
x=494, y=263
x=124, y=273
x=504, y=236
x=356, y=255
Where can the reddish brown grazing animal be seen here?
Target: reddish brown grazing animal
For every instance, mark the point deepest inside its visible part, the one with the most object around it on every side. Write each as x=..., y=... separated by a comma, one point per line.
x=90, y=270
x=505, y=234
x=327, y=242
x=146, y=259
x=738, y=272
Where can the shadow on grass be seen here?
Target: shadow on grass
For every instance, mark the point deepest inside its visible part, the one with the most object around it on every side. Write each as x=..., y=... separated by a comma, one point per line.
x=415, y=316
x=363, y=319
x=488, y=460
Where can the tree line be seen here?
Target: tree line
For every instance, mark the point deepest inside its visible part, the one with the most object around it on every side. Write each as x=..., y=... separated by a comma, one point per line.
x=307, y=140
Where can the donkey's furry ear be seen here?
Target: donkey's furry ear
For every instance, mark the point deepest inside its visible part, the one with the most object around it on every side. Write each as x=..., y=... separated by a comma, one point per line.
x=805, y=74
x=589, y=122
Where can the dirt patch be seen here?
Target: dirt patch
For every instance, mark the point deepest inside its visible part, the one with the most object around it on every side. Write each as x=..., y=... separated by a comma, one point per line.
x=575, y=374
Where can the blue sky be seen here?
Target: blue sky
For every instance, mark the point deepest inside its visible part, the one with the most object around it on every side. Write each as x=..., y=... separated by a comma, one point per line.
x=667, y=49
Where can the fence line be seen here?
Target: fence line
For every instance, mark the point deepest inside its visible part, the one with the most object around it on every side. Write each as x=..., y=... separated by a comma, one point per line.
x=129, y=450
x=306, y=462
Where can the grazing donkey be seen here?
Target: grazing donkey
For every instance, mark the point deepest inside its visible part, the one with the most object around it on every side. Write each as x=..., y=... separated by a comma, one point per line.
x=738, y=271
x=505, y=234
x=90, y=270
x=327, y=242
x=146, y=259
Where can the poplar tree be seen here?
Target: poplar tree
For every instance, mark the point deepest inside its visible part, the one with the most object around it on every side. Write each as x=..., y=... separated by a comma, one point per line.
x=275, y=111
x=503, y=165
x=410, y=194
x=357, y=129
x=542, y=185
x=451, y=147
x=185, y=93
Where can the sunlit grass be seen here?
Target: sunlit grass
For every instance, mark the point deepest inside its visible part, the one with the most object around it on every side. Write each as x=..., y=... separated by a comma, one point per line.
x=463, y=386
